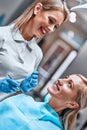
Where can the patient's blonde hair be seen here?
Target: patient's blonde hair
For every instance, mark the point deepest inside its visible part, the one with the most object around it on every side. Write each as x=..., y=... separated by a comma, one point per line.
x=70, y=115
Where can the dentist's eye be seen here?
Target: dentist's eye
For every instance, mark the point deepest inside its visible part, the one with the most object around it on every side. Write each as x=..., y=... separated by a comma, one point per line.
x=55, y=27
x=51, y=21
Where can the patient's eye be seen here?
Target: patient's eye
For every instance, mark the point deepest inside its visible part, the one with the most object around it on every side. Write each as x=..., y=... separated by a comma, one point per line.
x=67, y=77
x=70, y=84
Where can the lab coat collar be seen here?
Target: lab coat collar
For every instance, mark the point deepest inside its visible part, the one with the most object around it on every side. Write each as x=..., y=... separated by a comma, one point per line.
x=16, y=35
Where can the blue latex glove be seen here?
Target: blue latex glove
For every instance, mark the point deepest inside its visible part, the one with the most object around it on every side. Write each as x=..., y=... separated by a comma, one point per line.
x=29, y=82
x=8, y=85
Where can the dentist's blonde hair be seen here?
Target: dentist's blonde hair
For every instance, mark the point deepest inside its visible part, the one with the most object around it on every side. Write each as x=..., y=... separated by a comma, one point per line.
x=47, y=5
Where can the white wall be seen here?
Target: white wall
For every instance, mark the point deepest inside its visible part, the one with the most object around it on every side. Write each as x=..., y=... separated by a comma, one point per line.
x=8, y=7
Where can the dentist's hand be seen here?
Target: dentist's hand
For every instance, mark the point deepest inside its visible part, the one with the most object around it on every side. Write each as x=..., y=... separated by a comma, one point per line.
x=8, y=85
x=29, y=82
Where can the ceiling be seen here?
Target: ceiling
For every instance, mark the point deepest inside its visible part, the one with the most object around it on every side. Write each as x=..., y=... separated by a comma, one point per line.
x=81, y=12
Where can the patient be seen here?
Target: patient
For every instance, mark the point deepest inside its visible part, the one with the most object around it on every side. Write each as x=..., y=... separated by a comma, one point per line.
x=67, y=97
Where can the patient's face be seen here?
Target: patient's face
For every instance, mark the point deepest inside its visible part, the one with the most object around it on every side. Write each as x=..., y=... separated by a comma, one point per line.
x=66, y=89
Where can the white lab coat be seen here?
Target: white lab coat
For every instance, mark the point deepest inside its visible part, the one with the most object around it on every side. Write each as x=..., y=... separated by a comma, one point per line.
x=18, y=57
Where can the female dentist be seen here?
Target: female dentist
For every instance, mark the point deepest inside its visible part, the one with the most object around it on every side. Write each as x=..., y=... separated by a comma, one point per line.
x=20, y=54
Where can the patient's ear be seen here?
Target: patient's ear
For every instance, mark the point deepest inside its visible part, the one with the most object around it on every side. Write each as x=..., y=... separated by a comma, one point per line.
x=72, y=104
